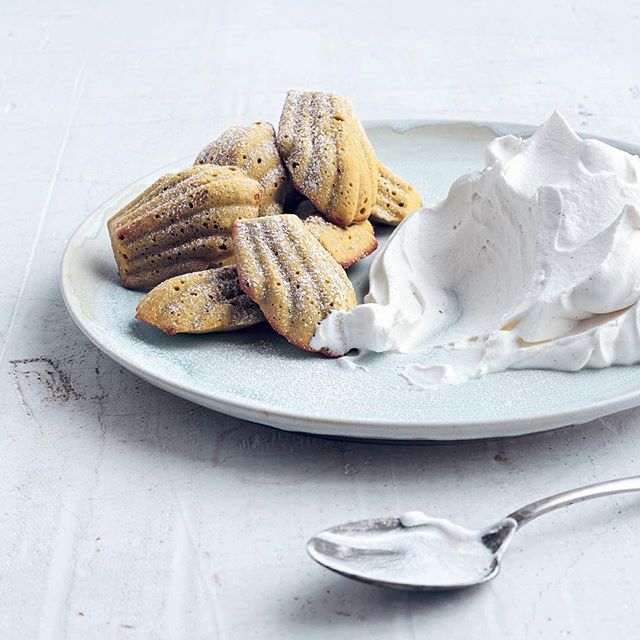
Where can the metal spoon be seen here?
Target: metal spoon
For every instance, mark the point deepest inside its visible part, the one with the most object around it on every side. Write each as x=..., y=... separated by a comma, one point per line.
x=421, y=553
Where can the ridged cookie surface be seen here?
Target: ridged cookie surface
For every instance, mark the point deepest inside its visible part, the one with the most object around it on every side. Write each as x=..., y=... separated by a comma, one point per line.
x=395, y=198
x=346, y=244
x=328, y=155
x=199, y=302
x=288, y=273
x=181, y=223
x=252, y=149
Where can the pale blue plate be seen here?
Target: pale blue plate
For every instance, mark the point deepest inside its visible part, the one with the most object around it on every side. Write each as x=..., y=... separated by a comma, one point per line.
x=256, y=375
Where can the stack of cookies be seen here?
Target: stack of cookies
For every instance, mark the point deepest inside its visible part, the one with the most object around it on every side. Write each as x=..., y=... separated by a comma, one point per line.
x=221, y=252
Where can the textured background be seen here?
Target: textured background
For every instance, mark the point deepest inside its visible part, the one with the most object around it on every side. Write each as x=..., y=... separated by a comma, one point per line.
x=128, y=513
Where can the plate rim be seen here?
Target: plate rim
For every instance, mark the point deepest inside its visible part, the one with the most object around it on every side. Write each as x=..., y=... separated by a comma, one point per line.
x=261, y=413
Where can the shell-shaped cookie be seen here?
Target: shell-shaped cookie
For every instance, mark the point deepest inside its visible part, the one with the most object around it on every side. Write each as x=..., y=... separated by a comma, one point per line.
x=395, y=198
x=328, y=155
x=252, y=149
x=290, y=275
x=346, y=244
x=199, y=302
x=181, y=223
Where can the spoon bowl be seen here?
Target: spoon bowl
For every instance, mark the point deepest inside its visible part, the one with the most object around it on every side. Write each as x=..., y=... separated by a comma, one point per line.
x=431, y=555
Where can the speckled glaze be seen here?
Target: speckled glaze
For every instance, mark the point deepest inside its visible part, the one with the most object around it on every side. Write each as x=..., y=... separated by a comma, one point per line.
x=255, y=375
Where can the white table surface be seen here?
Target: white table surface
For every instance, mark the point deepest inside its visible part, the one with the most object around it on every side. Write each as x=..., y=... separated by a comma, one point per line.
x=128, y=513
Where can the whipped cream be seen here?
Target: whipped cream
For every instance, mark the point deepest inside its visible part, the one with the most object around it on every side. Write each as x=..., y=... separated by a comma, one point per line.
x=413, y=519
x=533, y=262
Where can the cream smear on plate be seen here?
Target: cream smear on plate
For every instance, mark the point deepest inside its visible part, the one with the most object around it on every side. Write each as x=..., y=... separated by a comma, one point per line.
x=533, y=262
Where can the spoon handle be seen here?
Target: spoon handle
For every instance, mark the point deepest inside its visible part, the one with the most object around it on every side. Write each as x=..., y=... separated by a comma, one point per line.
x=540, y=507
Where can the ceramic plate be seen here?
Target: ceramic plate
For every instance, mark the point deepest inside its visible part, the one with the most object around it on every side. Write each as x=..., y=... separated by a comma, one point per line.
x=256, y=375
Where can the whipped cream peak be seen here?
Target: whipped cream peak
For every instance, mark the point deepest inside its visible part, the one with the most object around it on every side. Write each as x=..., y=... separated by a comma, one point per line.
x=533, y=261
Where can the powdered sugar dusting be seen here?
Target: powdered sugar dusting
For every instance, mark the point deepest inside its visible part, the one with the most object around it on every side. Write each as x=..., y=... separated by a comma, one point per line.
x=252, y=149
